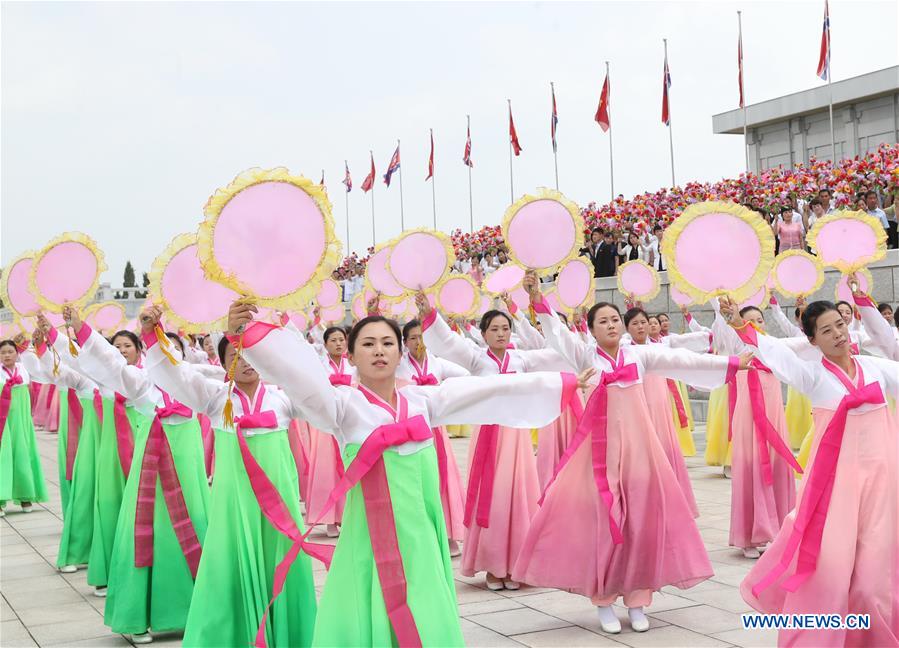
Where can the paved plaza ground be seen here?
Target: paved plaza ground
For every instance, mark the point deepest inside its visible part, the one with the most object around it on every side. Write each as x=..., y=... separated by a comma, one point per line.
x=42, y=607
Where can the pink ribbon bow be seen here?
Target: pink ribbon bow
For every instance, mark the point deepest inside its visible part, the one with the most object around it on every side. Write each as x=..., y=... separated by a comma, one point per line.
x=811, y=514
x=341, y=379
x=765, y=433
x=594, y=422
x=6, y=396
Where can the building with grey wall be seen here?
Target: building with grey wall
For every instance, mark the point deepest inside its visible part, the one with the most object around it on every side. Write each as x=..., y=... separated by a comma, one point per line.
x=793, y=128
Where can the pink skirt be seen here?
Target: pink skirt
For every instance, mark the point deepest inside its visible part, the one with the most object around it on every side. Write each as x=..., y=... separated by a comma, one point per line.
x=757, y=510
x=858, y=565
x=324, y=454
x=551, y=443
x=514, y=502
x=658, y=400
x=454, y=498
x=569, y=545
x=47, y=402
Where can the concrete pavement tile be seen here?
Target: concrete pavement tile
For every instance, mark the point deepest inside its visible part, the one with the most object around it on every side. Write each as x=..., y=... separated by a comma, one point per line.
x=38, y=584
x=89, y=627
x=570, y=636
x=662, y=602
x=732, y=575
x=766, y=638
x=100, y=642
x=482, y=607
x=724, y=597
x=518, y=621
x=15, y=571
x=14, y=633
x=466, y=593
x=668, y=637
x=701, y=618
x=477, y=636
x=34, y=617
x=6, y=612
x=25, y=600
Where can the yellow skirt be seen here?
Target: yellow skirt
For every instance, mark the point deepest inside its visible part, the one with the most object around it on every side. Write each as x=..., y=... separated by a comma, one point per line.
x=717, y=448
x=684, y=434
x=805, y=448
x=798, y=412
x=458, y=431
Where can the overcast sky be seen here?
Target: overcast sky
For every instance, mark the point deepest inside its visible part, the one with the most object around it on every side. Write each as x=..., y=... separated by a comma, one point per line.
x=120, y=119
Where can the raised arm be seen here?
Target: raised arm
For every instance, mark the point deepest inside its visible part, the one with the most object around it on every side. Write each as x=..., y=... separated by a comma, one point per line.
x=529, y=336
x=783, y=362
x=573, y=350
x=705, y=371
x=514, y=400
x=697, y=342
x=186, y=382
x=448, y=369
x=879, y=330
x=789, y=328
x=103, y=362
x=441, y=341
x=724, y=338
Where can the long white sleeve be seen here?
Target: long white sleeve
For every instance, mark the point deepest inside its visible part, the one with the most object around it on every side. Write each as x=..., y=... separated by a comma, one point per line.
x=573, y=349
x=785, y=364
x=103, y=362
x=441, y=341
x=697, y=342
x=514, y=400
x=531, y=338
x=789, y=328
x=880, y=332
x=725, y=339
x=447, y=369
x=35, y=368
x=187, y=383
x=705, y=371
x=694, y=326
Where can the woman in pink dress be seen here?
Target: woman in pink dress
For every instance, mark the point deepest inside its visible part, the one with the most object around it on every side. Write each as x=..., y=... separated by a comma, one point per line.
x=838, y=550
x=789, y=231
x=419, y=367
x=502, y=478
x=615, y=522
x=657, y=399
x=763, y=487
x=325, y=463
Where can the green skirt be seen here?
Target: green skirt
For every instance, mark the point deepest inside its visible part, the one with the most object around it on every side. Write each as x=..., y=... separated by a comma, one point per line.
x=21, y=477
x=351, y=610
x=108, y=489
x=78, y=497
x=157, y=597
x=62, y=437
x=242, y=549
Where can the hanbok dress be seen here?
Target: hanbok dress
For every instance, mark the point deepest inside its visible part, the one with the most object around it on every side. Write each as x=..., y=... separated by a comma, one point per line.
x=21, y=476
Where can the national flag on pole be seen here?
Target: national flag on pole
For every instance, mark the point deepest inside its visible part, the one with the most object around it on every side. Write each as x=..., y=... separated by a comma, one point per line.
x=824, y=56
x=347, y=180
x=369, y=181
x=602, y=112
x=466, y=156
x=740, y=66
x=513, y=136
x=322, y=183
x=666, y=83
x=393, y=166
x=431, y=158
x=555, y=119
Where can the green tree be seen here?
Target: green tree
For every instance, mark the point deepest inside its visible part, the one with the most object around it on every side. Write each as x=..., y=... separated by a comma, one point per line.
x=128, y=281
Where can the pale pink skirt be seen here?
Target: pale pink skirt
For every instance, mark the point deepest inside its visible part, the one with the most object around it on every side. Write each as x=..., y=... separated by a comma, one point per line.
x=323, y=454
x=758, y=510
x=454, y=499
x=858, y=565
x=551, y=443
x=569, y=545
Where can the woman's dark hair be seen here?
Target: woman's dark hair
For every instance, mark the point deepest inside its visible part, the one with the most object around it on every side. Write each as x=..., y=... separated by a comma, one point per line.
x=491, y=315
x=131, y=336
x=563, y=317
x=661, y=315
x=747, y=309
x=883, y=306
x=844, y=303
x=9, y=343
x=810, y=317
x=591, y=314
x=177, y=340
x=373, y=319
x=407, y=329
x=632, y=314
x=654, y=317
x=223, y=346
x=331, y=330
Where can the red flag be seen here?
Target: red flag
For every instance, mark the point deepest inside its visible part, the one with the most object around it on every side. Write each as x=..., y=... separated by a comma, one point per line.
x=431, y=159
x=554, y=119
x=740, y=65
x=370, y=178
x=602, y=112
x=824, y=55
x=466, y=156
x=666, y=83
x=347, y=179
x=513, y=136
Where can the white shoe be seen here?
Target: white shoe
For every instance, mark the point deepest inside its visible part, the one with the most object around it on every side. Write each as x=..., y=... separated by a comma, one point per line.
x=143, y=638
x=2, y=513
x=26, y=508
x=511, y=585
x=68, y=569
x=454, y=549
x=607, y=619
x=494, y=584
x=100, y=592
x=727, y=472
x=639, y=622
x=751, y=552
x=332, y=531
x=763, y=548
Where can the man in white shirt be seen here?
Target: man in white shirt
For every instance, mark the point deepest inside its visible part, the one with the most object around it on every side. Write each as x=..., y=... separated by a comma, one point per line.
x=879, y=214
x=824, y=196
x=655, y=249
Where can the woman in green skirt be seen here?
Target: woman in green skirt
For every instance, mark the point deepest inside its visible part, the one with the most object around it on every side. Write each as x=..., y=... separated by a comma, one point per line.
x=79, y=428
x=390, y=580
x=21, y=478
x=162, y=521
x=236, y=576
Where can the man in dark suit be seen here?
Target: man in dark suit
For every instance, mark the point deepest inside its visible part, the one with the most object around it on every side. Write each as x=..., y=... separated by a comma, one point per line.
x=592, y=249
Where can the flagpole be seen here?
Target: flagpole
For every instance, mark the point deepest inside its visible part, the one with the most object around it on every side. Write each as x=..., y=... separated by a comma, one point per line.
x=555, y=153
x=609, y=108
x=433, y=190
x=346, y=195
x=742, y=91
x=511, y=180
x=470, y=200
x=833, y=147
x=670, y=135
x=402, y=216
x=374, y=237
